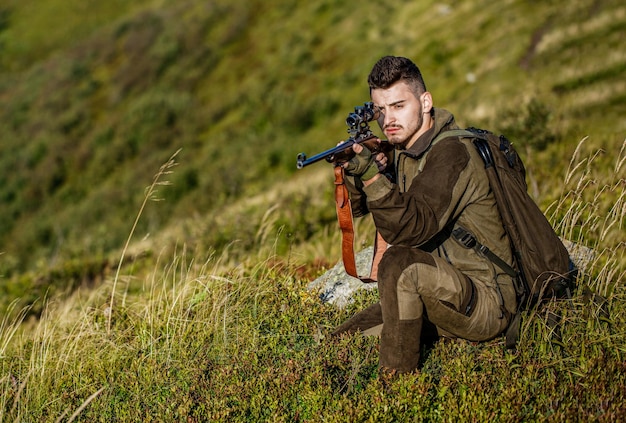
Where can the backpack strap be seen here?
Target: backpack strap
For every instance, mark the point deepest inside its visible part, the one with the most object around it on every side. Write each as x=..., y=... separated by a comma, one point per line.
x=468, y=240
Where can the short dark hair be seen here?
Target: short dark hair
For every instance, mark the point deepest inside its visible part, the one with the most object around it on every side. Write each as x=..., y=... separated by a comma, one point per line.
x=391, y=69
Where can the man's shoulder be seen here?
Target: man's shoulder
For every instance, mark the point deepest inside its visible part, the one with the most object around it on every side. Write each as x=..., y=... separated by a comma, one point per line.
x=450, y=144
x=449, y=151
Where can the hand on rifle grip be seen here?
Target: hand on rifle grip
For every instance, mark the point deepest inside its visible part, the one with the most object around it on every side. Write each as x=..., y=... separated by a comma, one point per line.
x=380, y=150
x=363, y=164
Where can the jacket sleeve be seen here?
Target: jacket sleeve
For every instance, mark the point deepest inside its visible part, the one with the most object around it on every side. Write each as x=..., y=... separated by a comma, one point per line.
x=434, y=198
x=358, y=199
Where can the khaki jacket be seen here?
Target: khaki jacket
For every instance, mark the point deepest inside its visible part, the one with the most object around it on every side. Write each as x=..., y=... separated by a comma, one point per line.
x=434, y=189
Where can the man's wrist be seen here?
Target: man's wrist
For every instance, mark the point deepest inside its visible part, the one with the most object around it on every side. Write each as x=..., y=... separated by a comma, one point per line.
x=370, y=172
x=371, y=180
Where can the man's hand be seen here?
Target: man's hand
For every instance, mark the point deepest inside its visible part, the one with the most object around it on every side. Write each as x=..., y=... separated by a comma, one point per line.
x=364, y=164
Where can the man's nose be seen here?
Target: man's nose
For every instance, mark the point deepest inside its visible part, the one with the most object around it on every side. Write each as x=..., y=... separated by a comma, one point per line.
x=389, y=118
x=381, y=120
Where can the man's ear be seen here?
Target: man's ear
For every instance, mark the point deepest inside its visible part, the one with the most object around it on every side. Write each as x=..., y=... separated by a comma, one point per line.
x=427, y=102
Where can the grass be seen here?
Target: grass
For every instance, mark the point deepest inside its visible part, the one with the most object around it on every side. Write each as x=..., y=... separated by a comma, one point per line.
x=212, y=316
x=150, y=195
x=213, y=337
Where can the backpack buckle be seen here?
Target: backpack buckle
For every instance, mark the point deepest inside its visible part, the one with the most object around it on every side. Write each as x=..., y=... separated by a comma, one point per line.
x=465, y=238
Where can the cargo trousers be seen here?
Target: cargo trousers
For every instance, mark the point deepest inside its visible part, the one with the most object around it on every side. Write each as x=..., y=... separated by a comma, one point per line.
x=415, y=288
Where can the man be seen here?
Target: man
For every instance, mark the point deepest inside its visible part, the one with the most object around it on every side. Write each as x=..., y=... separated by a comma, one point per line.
x=426, y=276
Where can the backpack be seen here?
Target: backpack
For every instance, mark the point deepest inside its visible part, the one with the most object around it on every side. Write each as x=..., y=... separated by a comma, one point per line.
x=542, y=267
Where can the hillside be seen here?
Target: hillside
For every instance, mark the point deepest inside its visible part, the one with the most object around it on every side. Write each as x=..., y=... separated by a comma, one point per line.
x=242, y=87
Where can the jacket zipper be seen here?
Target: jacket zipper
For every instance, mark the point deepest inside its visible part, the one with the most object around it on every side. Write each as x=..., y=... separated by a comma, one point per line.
x=400, y=170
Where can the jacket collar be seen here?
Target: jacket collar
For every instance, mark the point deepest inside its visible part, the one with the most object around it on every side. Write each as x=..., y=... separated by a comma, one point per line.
x=443, y=121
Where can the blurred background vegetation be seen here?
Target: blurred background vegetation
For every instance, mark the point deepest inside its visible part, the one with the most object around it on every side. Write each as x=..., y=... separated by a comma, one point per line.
x=97, y=95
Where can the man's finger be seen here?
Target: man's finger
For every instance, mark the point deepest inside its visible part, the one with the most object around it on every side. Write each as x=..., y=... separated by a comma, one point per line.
x=357, y=148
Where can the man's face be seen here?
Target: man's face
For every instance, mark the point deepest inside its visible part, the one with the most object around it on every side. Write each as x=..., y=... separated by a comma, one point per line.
x=403, y=118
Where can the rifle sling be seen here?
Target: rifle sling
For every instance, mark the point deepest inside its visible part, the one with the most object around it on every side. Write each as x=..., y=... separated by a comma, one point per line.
x=346, y=224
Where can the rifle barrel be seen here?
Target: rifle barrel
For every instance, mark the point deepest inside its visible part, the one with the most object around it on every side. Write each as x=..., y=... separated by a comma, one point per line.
x=303, y=161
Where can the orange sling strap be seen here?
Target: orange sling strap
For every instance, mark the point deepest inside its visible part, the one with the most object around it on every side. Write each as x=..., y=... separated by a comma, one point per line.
x=346, y=224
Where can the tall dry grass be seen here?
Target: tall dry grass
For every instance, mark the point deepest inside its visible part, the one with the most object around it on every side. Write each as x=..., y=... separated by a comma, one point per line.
x=591, y=212
x=150, y=195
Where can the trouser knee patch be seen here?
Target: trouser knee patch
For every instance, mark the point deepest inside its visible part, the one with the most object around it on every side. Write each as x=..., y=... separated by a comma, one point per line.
x=397, y=258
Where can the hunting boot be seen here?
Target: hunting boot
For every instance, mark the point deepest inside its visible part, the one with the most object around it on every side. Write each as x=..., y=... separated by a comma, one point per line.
x=400, y=346
x=402, y=308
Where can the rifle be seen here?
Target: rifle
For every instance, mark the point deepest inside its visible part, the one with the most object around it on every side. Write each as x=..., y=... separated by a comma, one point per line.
x=360, y=133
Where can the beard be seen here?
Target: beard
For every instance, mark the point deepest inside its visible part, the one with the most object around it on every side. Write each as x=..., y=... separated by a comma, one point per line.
x=406, y=134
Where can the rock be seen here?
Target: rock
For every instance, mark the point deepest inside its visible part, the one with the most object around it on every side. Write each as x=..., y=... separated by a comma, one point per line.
x=581, y=256
x=337, y=287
